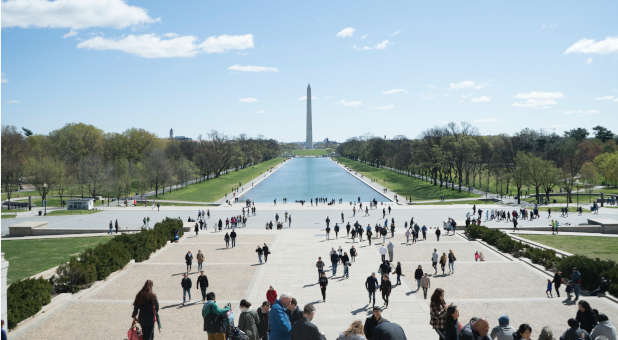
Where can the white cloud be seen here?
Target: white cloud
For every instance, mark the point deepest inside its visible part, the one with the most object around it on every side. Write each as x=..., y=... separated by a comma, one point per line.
x=481, y=99
x=248, y=100
x=153, y=46
x=466, y=84
x=252, y=68
x=351, y=103
x=537, y=99
x=589, y=61
x=304, y=98
x=346, y=32
x=385, y=107
x=364, y=36
x=581, y=112
x=69, y=34
x=485, y=120
x=74, y=14
x=379, y=46
x=394, y=91
x=589, y=46
x=382, y=45
x=396, y=33
x=13, y=101
x=607, y=98
x=222, y=43
x=259, y=111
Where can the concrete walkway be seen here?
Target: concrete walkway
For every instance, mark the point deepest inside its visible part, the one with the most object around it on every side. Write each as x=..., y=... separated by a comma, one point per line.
x=484, y=289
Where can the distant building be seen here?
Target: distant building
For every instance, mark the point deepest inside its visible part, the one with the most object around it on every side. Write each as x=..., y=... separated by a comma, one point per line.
x=80, y=204
x=182, y=138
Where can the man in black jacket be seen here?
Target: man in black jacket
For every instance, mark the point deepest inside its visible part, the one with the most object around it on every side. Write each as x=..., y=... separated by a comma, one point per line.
x=185, y=283
x=371, y=284
x=372, y=322
x=202, y=284
x=233, y=237
x=293, y=311
x=304, y=329
x=263, y=326
x=389, y=331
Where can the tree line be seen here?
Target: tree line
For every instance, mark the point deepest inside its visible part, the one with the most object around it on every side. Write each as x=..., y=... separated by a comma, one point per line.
x=456, y=155
x=80, y=159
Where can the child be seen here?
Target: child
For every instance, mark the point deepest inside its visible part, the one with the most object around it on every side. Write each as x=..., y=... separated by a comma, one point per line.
x=476, y=256
x=548, y=291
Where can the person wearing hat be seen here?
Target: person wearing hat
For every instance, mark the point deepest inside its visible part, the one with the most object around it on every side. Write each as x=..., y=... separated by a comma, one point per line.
x=503, y=331
x=372, y=322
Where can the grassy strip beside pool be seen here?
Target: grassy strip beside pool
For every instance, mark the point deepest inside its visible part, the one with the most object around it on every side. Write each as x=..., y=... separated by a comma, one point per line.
x=401, y=184
x=216, y=188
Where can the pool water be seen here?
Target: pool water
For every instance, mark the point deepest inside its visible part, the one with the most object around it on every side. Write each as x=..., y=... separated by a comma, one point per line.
x=305, y=178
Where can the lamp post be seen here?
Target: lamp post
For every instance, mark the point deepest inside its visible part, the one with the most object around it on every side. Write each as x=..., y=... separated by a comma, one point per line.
x=45, y=198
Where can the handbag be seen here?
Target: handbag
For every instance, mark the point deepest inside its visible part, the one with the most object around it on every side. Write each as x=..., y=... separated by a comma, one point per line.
x=134, y=332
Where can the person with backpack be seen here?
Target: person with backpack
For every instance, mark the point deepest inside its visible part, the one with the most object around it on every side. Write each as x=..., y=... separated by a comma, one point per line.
x=215, y=318
x=248, y=321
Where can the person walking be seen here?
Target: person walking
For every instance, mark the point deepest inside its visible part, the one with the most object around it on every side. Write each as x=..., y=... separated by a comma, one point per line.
x=451, y=261
x=186, y=284
x=354, y=332
x=304, y=329
x=451, y=324
x=146, y=310
x=266, y=251
x=371, y=284
x=196, y=228
x=398, y=273
x=438, y=232
x=116, y=226
x=383, y=252
x=233, y=238
x=271, y=295
x=189, y=261
x=434, y=261
x=259, y=252
x=353, y=253
x=262, y=313
x=425, y=284
x=437, y=312
x=248, y=321
x=327, y=233
x=443, y=263
x=200, y=259
x=336, y=231
x=386, y=288
x=503, y=331
x=226, y=238
x=575, y=283
x=323, y=283
x=418, y=275
x=390, y=248
x=372, y=322
x=214, y=318
x=345, y=259
x=111, y=227
x=320, y=265
x=293, y=311
x=278, y=319
x=202, y=284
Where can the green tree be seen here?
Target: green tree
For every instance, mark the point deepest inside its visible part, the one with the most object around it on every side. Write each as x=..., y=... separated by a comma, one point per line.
x=602, y=133
x=14, y=154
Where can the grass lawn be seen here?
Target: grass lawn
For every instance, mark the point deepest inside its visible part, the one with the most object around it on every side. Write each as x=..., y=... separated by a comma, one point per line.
x=605, y=248
x=172, y=204
x=459, y=202
x=18, y=194
x=402, y=184
x=29, y=257
x=216, y=188
x=72, y=212
x=311, y=152
x=4, y=216
x=572, y=208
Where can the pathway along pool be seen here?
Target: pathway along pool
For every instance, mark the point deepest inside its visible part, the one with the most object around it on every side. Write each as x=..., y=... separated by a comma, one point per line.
x=305, y=178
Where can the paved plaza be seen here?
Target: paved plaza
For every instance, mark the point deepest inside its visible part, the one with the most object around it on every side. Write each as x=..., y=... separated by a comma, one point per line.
x=500, y=285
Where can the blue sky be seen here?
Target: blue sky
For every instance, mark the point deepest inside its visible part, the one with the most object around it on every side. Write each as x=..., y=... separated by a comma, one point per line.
x=379, y=67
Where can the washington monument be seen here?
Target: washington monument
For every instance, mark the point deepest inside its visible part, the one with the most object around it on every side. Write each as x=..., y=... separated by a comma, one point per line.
x=309, y=141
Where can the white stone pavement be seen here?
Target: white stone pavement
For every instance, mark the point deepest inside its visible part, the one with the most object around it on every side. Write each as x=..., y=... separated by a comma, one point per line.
x=488, y=289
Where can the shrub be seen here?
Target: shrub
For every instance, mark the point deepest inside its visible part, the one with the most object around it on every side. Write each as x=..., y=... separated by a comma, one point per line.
x=591, y=269
x=26, y=298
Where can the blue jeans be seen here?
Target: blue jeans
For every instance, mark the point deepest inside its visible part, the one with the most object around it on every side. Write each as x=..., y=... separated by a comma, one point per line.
x=199, y=266
x=451, y=267
x=334, y=268
x=184, y=294
x=345, y=270
x=418, y=284
x=260, y=258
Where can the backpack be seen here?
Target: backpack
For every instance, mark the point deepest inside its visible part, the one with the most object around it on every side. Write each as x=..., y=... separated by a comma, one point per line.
x=215, y=323
x=235, y=333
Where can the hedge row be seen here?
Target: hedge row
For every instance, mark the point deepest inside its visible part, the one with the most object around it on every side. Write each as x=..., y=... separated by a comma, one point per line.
x=591, y=269
x=27, y=297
